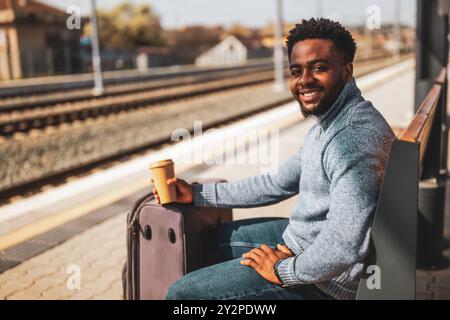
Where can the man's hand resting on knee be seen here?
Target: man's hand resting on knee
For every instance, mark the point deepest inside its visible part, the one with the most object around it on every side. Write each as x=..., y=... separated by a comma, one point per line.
x=263, y=259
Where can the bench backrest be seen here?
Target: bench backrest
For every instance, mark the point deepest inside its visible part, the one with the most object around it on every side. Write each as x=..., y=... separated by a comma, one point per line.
x=394, y=231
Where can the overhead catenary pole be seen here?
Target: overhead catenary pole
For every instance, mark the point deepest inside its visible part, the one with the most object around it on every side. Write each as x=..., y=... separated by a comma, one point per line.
x=368, y=41
x=319, y=8
x=277, y=49
x=96, y=60
x=397, y=30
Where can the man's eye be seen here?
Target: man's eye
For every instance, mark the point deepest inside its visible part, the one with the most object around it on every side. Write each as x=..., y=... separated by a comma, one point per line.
x=319, y=68
x=295, y=73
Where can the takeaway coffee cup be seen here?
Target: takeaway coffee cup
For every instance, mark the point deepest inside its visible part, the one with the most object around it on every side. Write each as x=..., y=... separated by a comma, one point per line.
x=162, y=171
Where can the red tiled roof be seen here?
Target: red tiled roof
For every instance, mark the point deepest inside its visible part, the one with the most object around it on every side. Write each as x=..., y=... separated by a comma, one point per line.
x=31, y=6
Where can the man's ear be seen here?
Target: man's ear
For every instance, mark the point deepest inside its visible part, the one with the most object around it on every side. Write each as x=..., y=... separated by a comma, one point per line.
x=348, y=71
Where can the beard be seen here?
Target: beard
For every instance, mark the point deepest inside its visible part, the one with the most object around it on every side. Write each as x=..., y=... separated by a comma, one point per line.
x=324, y=104
x=314, y=110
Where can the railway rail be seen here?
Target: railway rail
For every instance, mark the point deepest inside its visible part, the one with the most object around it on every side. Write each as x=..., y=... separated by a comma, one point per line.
x=36, y=100
x=85, y=81
x=24, y=121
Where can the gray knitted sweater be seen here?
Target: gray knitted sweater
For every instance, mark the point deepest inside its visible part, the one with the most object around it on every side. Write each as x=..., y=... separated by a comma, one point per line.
x=337, y=173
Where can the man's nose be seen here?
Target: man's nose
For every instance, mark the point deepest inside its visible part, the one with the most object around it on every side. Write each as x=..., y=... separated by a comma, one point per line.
x=305, y=79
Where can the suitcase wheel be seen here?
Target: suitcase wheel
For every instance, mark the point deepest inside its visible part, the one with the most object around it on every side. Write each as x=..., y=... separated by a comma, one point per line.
x=148, y=232
x=172, y=237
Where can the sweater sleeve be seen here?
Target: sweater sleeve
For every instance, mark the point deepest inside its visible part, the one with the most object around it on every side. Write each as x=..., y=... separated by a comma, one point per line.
x=354, y=163
x=255, y=191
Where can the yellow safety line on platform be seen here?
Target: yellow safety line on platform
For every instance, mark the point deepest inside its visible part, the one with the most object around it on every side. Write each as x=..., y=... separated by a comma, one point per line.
x=53, y=221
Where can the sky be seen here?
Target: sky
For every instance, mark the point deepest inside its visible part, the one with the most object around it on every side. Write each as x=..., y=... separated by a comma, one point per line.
x=257, y=13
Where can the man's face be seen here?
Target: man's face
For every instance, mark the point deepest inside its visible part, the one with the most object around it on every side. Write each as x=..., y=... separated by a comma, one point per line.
x=318, y=74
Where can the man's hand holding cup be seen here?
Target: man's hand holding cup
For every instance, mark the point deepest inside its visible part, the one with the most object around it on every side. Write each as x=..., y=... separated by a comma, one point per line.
x=183, y=190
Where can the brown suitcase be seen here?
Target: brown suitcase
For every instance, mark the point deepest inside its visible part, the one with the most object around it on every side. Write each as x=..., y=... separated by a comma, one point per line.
x=166, y=242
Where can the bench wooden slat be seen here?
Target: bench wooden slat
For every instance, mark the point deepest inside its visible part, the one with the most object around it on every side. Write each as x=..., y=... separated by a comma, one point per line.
x=442, y=77
x=419, y=129
x=398, y=131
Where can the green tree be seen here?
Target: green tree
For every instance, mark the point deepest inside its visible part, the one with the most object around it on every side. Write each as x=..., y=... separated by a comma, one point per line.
x=128, y=26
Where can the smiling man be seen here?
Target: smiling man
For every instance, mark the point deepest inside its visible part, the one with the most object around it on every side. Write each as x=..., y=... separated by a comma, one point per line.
x=318, y=252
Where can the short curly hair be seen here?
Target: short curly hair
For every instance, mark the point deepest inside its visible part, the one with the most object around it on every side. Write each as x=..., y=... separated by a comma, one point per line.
x=323, y=29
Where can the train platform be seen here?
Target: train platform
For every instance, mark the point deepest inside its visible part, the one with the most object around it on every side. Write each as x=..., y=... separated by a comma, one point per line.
x=43, y=266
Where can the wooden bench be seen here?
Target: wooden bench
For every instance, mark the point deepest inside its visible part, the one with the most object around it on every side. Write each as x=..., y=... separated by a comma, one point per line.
x=394, y=232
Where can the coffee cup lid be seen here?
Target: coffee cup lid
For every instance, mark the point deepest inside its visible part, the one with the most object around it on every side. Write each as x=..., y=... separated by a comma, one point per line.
x=160, y=163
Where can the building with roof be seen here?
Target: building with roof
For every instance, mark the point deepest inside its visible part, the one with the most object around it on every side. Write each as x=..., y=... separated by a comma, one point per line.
x=230, y=51
x=35, y=40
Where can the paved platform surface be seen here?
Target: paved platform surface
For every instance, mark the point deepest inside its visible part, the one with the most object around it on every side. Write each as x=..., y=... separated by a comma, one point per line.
x=88, y=266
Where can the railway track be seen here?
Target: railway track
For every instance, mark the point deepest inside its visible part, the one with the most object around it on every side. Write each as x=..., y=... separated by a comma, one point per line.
x=31, y=101
x=37, y=185
x=24, y=121
x=66, y=83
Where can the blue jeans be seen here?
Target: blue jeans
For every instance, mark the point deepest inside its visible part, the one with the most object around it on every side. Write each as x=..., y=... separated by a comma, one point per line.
x=229, y=280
